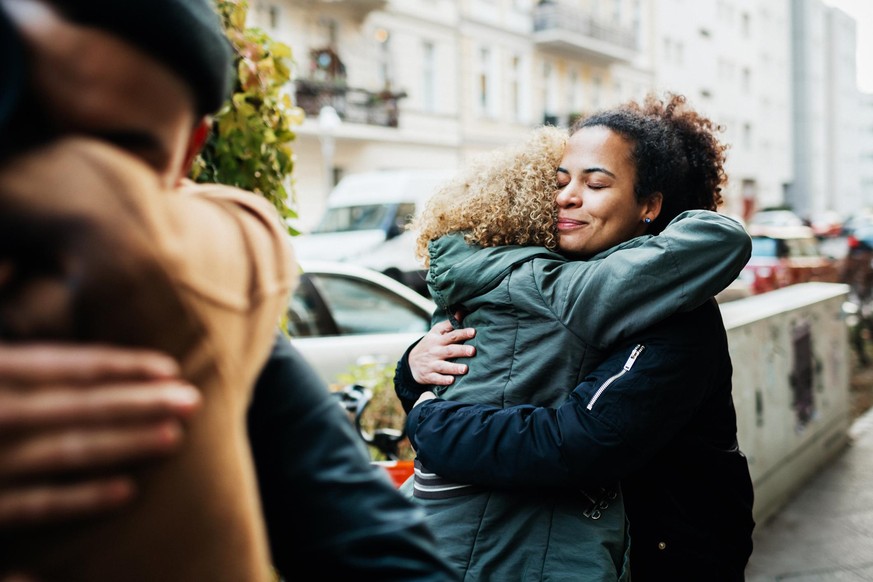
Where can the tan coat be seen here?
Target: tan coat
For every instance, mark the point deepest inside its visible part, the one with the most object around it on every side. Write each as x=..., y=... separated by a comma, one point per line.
x=202, y=273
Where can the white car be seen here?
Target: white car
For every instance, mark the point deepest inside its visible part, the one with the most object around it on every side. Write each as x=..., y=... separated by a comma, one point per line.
x=342, y=315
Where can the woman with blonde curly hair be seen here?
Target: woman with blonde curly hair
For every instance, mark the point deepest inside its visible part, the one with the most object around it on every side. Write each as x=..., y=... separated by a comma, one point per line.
x=506, y=197
x=499, y=242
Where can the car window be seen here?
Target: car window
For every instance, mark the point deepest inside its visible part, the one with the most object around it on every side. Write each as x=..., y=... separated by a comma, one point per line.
x=349, y=218
x=405, y=214
x=308, y=316
x=764, y=247
x=359, y=306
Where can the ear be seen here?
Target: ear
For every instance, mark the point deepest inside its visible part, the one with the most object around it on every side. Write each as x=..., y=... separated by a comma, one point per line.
x=198, y=138
x=652, y=205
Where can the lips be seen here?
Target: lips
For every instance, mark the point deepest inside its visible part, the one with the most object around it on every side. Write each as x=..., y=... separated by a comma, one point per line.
x=569, y=223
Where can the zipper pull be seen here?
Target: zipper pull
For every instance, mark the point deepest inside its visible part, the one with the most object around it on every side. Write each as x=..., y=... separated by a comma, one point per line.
x=633, y=356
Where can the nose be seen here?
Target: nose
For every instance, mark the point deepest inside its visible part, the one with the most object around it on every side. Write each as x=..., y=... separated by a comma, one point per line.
x=569, y=196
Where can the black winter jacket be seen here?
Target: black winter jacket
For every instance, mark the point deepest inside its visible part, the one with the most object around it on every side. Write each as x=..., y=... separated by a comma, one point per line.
x=656, y=414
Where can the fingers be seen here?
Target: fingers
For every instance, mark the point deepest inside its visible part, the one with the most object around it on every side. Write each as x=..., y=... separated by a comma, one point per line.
x=74, y=449
x=29, y=364
x=39, y=505
x=429, y=360
x=112, y=402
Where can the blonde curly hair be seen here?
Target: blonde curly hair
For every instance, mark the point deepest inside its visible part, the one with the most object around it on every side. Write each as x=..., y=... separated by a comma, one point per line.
x=506, y=197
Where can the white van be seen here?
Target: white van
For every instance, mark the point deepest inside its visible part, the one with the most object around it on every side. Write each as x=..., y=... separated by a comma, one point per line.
x=365, y=223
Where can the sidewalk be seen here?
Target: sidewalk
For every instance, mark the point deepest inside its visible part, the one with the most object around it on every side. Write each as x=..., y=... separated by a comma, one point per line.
x=826, y=532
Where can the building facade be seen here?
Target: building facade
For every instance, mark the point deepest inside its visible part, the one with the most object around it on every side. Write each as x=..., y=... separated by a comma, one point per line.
x=866, y=146
x=826, y=108
x=427, y=84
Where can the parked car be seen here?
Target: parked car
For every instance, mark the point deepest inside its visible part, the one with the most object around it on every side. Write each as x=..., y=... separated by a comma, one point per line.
x=775, y=218
x=861, y=218
x=343, y=315
x=786, y=255
x=861, y=238
x=365, y=223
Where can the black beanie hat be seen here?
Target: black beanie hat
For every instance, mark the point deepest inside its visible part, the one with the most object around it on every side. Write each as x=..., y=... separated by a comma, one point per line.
x=185, y=35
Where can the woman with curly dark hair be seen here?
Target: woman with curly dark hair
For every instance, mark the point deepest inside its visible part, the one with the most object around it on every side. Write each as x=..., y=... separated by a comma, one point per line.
x=652, y=408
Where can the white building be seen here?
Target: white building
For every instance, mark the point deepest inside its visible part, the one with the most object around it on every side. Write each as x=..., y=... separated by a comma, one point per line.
x=731, y=59
x=826, y=109
x=865, y=123
x=429, y=83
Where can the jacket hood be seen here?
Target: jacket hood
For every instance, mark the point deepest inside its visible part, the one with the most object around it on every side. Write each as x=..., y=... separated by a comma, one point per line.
x=460, y=271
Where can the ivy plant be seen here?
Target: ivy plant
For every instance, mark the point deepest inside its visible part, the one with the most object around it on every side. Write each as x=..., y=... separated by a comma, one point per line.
x=250, y=145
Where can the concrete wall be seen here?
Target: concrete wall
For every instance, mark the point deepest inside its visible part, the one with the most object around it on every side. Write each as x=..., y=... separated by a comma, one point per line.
x=791, y=363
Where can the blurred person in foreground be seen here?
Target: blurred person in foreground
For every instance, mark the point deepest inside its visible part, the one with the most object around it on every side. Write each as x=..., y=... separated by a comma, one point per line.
x=83, y=428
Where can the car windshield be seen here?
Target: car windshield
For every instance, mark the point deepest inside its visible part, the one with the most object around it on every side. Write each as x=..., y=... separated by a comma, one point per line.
x=764, y=247
x=349, y=218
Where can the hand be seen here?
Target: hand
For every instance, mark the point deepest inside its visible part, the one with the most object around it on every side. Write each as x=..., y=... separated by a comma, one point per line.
x=425, y=396
x=428, y=360
x=65, y=408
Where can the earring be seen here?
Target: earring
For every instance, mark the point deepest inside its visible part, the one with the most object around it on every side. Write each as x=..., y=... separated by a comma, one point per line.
x=647, y=220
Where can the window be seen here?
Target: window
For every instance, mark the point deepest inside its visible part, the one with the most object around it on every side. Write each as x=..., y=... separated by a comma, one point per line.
x=327, y=304
x=428, y=72
x=574, y=98
x=349, y=218
x=550, y=88
x=384, y=59
x=596, y=92
x=515, y=88
x=483, y=83
x=637, y=19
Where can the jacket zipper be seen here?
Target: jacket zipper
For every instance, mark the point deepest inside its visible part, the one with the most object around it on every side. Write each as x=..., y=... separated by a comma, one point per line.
x=635, y=353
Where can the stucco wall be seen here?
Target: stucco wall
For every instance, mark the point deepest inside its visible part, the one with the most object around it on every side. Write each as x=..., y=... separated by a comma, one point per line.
x=791, y=385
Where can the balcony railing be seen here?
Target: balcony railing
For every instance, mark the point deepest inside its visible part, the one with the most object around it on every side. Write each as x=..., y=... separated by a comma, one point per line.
x=363, y=4
x=359, y=8
x=352, y=105
x=570, y=29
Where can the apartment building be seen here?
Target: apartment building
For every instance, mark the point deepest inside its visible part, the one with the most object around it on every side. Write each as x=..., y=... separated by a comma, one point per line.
x=429, y=83
x=731, y=59
x=865, y=125
x=826, y=109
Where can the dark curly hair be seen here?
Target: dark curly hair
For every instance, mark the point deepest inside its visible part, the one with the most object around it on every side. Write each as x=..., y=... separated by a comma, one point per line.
x=675, y=152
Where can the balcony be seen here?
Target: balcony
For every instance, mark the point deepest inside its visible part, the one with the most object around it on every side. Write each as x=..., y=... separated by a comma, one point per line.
x=567, y=30
x=358, y=9
x=353, y=105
